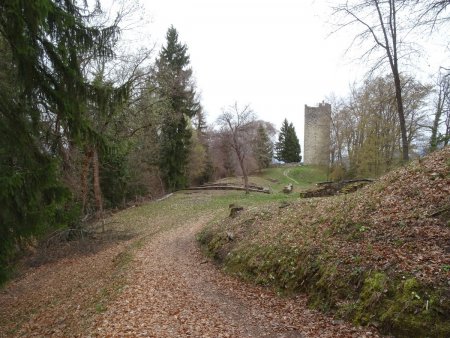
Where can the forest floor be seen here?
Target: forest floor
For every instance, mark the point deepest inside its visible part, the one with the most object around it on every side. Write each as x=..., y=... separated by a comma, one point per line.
x=155, y=282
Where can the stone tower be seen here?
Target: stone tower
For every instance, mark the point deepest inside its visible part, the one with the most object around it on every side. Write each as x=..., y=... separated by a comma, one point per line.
x=317, y=134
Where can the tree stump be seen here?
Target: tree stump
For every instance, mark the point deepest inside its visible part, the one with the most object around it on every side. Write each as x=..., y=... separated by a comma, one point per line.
x=288, y=189
x=234, y=210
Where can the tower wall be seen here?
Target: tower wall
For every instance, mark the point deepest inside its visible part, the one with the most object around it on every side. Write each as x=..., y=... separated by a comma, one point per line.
x=317, y=134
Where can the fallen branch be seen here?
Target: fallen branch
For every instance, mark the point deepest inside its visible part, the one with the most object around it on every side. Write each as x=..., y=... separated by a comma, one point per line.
x=229, y=187
x=440, y=211
x=164, y=197
x=65, y=235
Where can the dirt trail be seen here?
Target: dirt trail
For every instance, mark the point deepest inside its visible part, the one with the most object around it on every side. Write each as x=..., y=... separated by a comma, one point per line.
x=168, y=289
x=174, y=292
x=286, y=173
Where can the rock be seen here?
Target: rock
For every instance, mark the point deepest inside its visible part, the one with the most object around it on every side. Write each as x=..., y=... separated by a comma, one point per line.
x=230, y=236
x=436, y=175
x=284, y=204
x=333, y=188
x=234, y=211
x=288, y=189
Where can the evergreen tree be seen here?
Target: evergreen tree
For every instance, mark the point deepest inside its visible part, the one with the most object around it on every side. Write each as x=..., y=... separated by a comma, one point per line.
x=292, y=146
x=263, y=148
x=175, y=86
x=41, y=45
x=288, y=146
x=280, y=145
x=201, y=130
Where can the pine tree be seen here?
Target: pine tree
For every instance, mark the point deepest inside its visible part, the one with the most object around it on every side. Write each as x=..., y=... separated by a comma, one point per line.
x=281, y=144
x=175, y=87
x=288, y=146
x=263, y=148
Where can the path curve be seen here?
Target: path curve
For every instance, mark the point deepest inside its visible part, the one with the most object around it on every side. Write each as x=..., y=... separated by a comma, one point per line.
x=173, y=291
x=286, y=173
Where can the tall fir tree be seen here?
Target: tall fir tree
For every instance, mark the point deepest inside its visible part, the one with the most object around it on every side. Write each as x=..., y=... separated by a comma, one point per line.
x=288, y=146
x=280, y=145
x=292, y=146
x=42, y=45
x=173, y=79
x=263, y=148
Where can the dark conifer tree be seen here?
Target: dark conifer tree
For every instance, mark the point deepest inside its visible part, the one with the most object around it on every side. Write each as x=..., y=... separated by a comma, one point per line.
x=288, y=146
x=292, y=146
x=280, y=145
x=42, y=44
x=175, y=86
x=263, y=149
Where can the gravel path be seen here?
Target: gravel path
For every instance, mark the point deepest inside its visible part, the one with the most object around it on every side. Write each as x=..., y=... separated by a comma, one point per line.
x=174, y=292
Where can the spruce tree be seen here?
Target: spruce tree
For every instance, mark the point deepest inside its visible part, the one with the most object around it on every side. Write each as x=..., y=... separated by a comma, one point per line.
x=263, y=148
x=292, y=146
x=42, y=45
x=288, y=146
x=175, y=87
x=280, y=145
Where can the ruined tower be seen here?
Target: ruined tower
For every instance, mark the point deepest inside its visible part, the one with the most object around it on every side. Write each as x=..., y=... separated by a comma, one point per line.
x=317, y=134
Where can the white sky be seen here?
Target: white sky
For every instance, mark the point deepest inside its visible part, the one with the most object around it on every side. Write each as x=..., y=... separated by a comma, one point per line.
x=272, y=54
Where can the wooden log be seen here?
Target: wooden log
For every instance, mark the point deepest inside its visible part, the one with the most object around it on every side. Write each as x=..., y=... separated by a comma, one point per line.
x=228, y=187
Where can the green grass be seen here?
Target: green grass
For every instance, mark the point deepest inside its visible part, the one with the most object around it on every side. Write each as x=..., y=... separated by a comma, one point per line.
x=275, y=179
x=305, y=175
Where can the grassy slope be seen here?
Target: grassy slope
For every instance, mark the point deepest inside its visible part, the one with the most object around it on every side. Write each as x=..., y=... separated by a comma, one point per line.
x=275, y=179
x=379, y=256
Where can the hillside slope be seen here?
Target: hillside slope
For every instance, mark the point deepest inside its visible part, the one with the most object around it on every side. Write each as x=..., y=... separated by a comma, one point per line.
x=379, y=257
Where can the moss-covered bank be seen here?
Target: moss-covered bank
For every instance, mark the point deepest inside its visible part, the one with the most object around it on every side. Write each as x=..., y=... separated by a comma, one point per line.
x=377, y=257
x=397, y=305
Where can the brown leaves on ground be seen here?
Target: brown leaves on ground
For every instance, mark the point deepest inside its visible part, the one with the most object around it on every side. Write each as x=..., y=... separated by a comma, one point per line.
x=172, y=292
x=60, y=298
x=400, y=224
x=168, y=290
x=403, y=222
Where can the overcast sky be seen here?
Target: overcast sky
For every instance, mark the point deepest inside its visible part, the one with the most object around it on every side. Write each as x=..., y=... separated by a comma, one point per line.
x=275, y=55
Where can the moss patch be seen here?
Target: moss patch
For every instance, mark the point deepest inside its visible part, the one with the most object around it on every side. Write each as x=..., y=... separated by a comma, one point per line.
x=402, y=307
x=376, y=257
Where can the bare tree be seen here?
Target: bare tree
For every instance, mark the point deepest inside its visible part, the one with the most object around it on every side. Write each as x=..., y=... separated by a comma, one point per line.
x=237, y=125
x=433, y=13
x=442, y=113
x=381, y=21
x=365, y=126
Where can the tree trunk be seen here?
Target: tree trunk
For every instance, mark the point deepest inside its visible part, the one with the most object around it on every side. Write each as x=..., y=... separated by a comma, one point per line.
x=401, y=115
x=244, y=173
x=447, y=132
x=161, y=183
x=393, y=62
x=434, y=128
x=84, y=179
x=97, y=188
